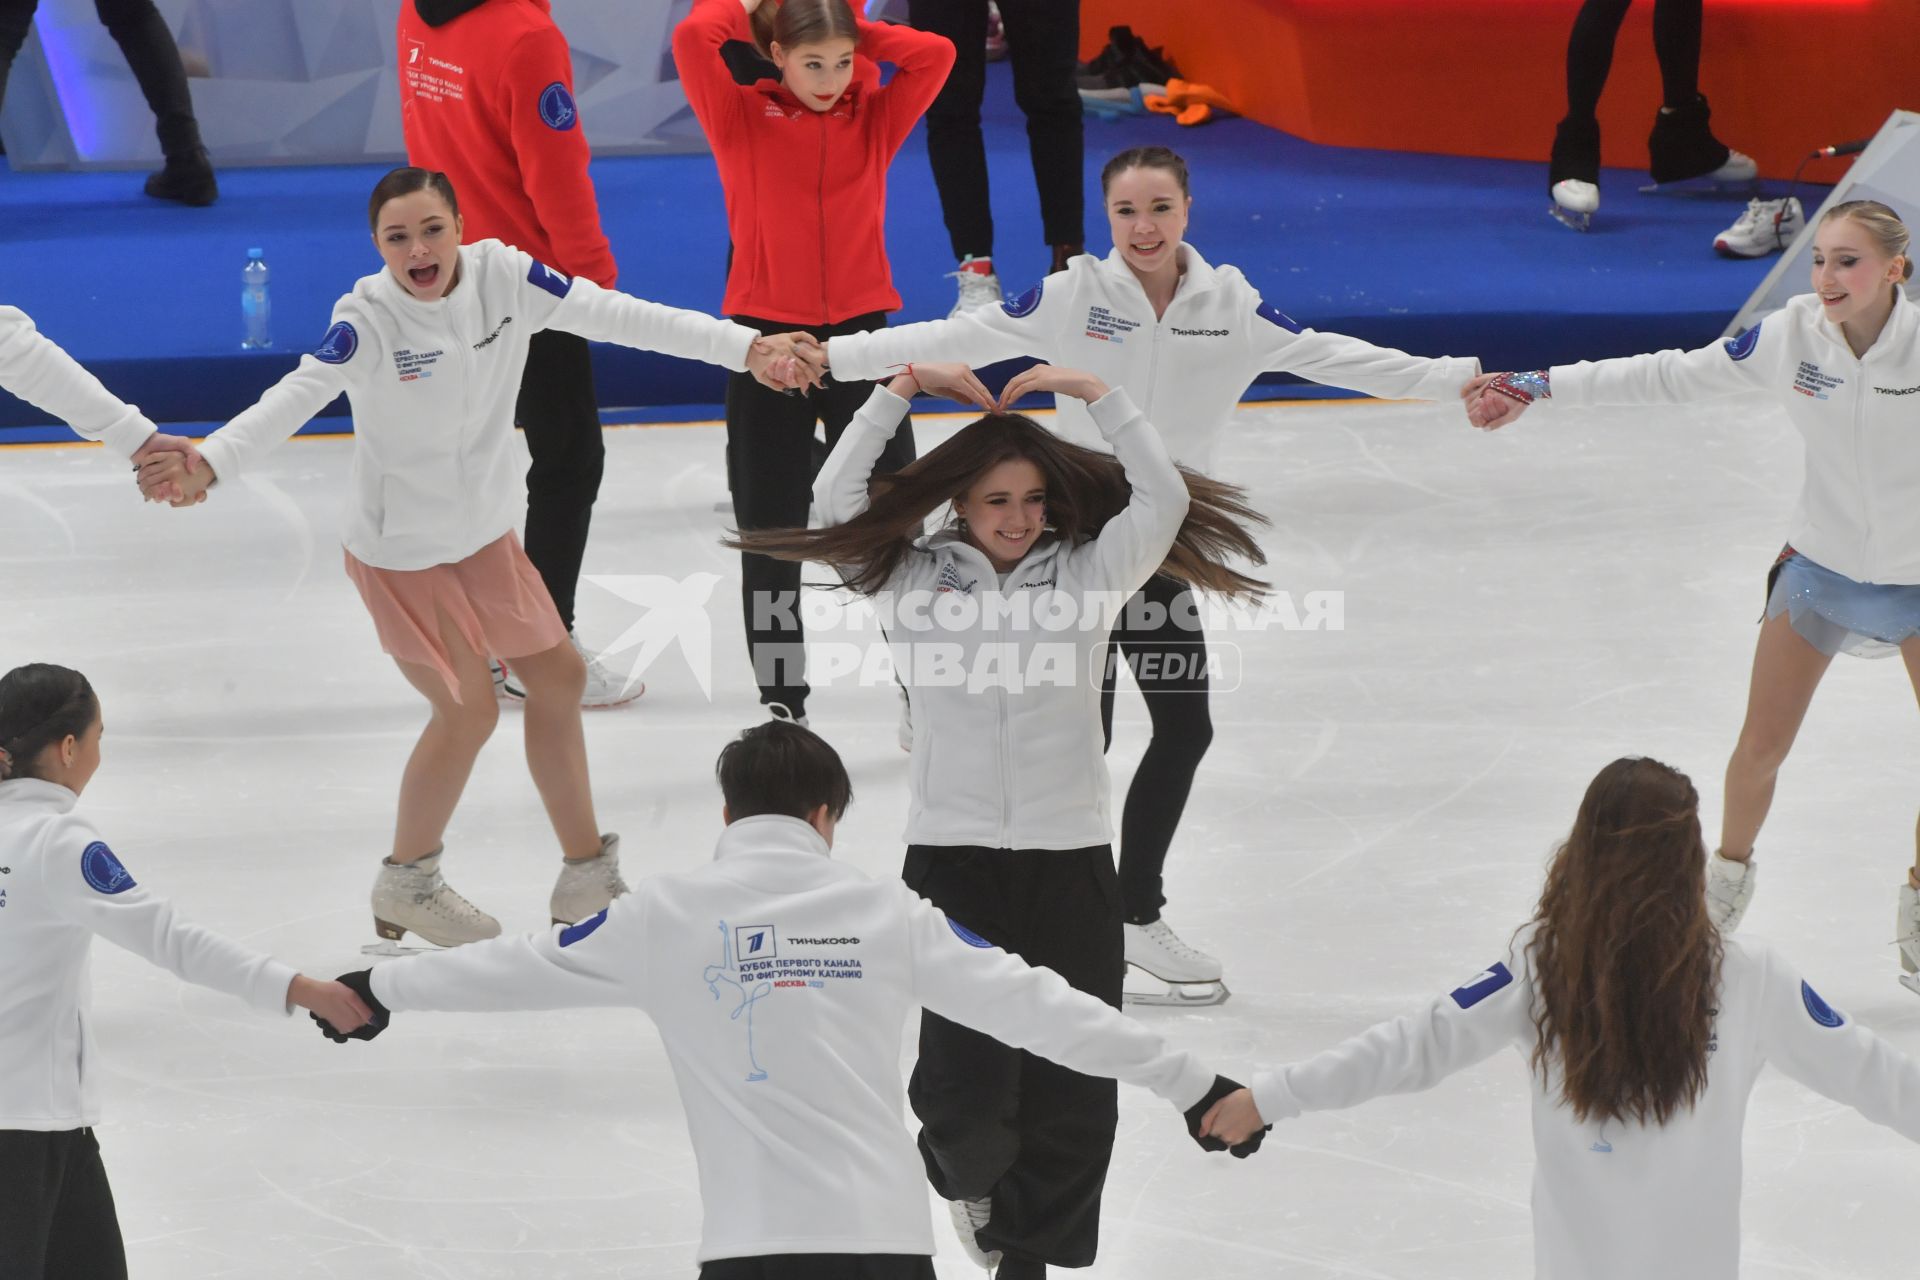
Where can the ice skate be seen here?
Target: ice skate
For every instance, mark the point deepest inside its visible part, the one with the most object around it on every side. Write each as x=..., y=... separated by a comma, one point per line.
x=1906, y=936
x=1573, y=173
x=1179, y=974
x=1729, y=890
x=1768, y=226
x=588, y=884
x=968, y=1217
x=412, y=898
x=979, y=286
x=1684, y=155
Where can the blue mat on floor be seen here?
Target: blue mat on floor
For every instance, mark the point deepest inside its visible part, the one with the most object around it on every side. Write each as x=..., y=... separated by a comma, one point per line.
x=1433, y=254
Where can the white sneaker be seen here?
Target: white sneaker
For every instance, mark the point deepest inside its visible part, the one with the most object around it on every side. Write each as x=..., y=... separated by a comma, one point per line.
x=412, y=896
x=505, y=687
x=780, y=711
x=978, y=288
x=1729, y=890
x=1768, y=226
x=587, y=885
x=968, y=1217
x=605, y=687
x=1157, y=949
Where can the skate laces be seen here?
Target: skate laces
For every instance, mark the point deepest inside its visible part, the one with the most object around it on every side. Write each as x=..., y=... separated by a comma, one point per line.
x=1164, y=936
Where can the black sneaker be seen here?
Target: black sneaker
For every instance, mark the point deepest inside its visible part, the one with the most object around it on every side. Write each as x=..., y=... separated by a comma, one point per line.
x=187, y=178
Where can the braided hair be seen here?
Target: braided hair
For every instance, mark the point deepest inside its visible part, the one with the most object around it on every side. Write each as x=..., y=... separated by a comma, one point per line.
x=41, y=704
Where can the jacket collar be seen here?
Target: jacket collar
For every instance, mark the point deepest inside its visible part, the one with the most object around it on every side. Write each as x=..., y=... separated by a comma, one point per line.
x=397, y=293
x=1198, y=276
x=438, y=13
x=1896, y=335
x=769, y=833
x=952, y=541
x=847, y=108
x=39, y=794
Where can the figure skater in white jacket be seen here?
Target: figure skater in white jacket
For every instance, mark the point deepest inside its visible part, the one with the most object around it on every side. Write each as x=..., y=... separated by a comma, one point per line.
x=1183, y=338
x=1844, y=361
x=1645, y=1029
x=998, y=625
x=784, y=1029
x=429, y=352
x=60, y=884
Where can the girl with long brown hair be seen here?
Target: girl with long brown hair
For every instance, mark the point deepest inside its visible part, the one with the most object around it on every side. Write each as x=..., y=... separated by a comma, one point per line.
x=996, y=624
x=1644, y=1030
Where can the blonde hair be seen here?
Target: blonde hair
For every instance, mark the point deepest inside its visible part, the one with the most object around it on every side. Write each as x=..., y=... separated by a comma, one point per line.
x=1880, y=222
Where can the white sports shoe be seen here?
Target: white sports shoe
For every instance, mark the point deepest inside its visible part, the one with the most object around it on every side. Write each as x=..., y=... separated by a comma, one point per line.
x=605, y=687
x=1768, y=226
x=968, y=1217
x=502, y=689
x=977, y=288
x=1729, y=890
x=1190, y=976
x=413, y=897
x=587, y=885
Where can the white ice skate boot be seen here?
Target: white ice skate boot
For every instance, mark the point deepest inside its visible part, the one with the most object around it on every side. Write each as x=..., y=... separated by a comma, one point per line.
x=1768, y=226
x=588, y=884
x=1188, y=975
x=413, y=897
x=1575, y=202
x=781, y=711
x=1729, y=890
x=1906, y=936
x=979, y=286
x=605, y=687
x=968, y=1217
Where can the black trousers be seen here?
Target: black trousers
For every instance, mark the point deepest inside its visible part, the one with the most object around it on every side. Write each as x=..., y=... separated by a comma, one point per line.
x=146, y=42
x=771, y=461
x=999, y=1122
x=56, y=1209
x=561, y=416
x=821, y=1266
x=1043, y=44
x=1676, y=43
x=1162, y=639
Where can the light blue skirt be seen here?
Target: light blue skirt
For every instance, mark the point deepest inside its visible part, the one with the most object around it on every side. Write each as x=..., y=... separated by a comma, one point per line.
x=1837, y=615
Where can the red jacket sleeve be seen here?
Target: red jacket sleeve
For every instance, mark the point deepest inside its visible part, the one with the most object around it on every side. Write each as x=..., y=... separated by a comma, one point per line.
x=551, y=148
x=921, y=62
x=709, y=85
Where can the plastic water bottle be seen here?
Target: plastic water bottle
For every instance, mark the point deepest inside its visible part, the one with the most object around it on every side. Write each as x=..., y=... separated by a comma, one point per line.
x=256, y=310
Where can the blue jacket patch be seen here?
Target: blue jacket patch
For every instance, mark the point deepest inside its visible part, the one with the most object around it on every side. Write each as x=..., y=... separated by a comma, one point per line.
x=103, y=871
x=574, y=932
x=556, y=108
x=1024, y=305
x=547, y=278
x=339, y=344
x=1267, y=311
x=1742, y=347
x=966, y=935
x=1481, y=985
x=1817, y=1009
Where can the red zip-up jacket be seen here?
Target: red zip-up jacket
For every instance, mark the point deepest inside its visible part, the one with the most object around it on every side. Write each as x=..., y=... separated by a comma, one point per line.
x=486, y=97
x=807, y=190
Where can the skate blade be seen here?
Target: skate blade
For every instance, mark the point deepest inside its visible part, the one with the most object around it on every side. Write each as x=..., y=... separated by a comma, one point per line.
x=1911, y=981
x=1707, y=186
x=1567, y=217
x=1158, y=993
x=388, y=949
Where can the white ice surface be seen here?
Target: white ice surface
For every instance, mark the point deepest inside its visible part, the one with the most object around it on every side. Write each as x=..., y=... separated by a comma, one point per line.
x=1368, y=829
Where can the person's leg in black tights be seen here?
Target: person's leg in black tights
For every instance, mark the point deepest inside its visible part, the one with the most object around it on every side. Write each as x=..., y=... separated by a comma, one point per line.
x=955, y=147
x=147, y=43
x=1676, y=43
x=1043, y=43
x=561, y=417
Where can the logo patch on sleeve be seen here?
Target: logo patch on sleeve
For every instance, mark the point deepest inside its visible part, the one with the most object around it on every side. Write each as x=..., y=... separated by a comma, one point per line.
x=339, y=344
x=1742, y=347
x=1024, y=305
x=556, y=108
x=547, y=278
x=1275, y=315
x=574, y=932
x=1481, y=985
x=966, y=935
x=1819, y=1010
x=103, y=871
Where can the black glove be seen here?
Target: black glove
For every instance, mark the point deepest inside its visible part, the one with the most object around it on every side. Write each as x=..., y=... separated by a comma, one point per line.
x=360, y=984
x=1222, y=1086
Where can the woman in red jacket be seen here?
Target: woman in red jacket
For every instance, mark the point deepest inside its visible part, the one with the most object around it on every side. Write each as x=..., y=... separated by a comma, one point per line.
x=803, y=160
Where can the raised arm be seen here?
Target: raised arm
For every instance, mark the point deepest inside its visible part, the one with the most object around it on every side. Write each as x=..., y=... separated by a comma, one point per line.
x=1832, y=1054
x=921, y=61
x=33, y=367
x=290, y=403
x=711, y=92
x=840, y=488
x=551, y=148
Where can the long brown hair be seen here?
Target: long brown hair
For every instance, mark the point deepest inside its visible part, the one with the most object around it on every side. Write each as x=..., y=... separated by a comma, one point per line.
x=796, y=22
x=1626, y=960
x=1085, y=489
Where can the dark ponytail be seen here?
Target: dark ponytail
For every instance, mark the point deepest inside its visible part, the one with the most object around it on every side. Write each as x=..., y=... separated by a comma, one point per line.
x=792, y=23
x=41, y=704
x=405, y=181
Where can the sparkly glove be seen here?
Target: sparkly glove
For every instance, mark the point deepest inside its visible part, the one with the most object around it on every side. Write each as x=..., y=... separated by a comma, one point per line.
x=359, y=982
x=1196, y=1113
x=1524, y=387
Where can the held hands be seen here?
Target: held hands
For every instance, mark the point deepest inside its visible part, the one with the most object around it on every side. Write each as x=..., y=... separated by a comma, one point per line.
x=1243, y=1138
x=787, y=361
x=1494, y=399
x=334, y=1003
x=1047, y=377
x=162, y=462
x=953, y=381
x=373, y=1015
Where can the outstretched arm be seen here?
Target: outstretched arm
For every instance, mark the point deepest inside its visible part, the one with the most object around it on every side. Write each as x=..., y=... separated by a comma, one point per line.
x=598, y=963
x=287, y=405
x=1281, y=345
x=33, y=367
x=1830, y=1053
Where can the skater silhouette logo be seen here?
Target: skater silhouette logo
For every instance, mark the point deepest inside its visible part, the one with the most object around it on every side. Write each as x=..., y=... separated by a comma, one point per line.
x=744, y=990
